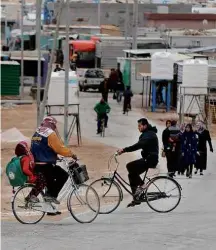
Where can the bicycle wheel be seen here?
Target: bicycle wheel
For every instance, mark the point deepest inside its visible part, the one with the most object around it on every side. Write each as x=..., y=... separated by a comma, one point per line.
x=27, y=212
x=110, y=194
x=83, y=203
x=163, y=191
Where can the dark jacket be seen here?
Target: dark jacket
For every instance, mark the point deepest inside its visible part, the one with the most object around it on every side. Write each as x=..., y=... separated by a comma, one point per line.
x=104, y=88
x=189, y=143
x=148, y=142
x=204, y=137
x=127, y=95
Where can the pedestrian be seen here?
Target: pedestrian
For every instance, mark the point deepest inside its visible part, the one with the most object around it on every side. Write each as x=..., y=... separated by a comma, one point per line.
x=181, y=168
x=203, y=138
x=127, y=99
x=173, y=149
x=165, y=138
x=104, y=89
x=189, y=142
x=113, y=80
x=120, y=76
x=119, y=91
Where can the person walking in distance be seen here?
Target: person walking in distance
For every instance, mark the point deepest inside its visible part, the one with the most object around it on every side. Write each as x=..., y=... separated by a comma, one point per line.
x=104, y=89
x=127, y=99
x=203, y=138
x=173, y=148
x=189, y=142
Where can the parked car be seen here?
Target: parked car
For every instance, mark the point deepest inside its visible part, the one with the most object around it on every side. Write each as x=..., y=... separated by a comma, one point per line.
x=91, y=79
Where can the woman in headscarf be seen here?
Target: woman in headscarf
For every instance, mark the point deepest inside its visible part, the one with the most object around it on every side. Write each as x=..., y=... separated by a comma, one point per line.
x=189, y=149
x=27, y=165
x=204, y=137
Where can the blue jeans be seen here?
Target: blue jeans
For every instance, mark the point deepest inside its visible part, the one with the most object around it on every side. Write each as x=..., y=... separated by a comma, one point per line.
x=119, y=95
x=104, y=116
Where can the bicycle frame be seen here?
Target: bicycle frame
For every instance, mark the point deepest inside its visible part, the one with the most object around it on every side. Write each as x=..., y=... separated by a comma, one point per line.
x=117, y=177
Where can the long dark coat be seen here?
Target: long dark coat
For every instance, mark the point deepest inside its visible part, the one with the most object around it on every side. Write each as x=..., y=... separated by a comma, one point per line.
x=204, y=137
x=189, y=143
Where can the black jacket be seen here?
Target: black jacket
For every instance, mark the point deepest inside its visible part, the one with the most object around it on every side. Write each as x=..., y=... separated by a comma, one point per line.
x=148, y=142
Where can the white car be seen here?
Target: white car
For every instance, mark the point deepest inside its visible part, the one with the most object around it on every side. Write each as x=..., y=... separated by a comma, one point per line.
x=91, y=79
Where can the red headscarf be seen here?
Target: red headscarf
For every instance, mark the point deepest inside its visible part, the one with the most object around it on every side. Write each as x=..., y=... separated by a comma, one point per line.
x=23, y=149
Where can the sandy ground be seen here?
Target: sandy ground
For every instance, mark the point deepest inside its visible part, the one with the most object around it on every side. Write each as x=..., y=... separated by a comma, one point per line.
x=95, y=155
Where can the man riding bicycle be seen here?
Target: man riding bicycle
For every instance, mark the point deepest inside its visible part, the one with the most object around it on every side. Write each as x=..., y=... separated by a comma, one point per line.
x=46, y=144
x=148, y=142
x=102, y=109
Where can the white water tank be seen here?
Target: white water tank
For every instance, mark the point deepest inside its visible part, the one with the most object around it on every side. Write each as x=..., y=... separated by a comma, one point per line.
x=56, y=93
x=162, y=66
x=195, y=76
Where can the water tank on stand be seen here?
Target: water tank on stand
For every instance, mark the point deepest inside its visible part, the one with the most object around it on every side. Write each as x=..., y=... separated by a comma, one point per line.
x=194, y=86
x=161, y=66
x=56, y=93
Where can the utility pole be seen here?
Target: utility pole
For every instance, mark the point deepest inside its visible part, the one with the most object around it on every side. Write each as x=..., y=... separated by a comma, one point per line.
x=99, y=13
x=38, y=36
x=135, y=23
x=42, y=110
x=126, y=23
x=67, y=68
x=22, y=49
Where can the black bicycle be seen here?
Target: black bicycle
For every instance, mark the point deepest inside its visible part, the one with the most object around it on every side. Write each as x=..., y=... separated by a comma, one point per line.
x=154, y=192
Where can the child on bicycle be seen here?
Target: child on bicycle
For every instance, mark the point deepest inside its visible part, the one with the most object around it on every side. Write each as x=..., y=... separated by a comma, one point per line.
x=27, y=164
x=102, y=109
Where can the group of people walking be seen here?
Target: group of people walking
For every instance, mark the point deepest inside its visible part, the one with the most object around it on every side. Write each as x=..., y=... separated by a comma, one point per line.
x=115, y=84
x=185, y=147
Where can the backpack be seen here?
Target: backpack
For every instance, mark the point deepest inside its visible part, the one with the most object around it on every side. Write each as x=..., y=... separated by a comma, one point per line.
x=14, y=172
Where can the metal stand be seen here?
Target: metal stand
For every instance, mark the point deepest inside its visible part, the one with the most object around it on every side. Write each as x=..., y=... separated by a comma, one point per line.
x=154, y=95
x=198, y=99
x=58, y=110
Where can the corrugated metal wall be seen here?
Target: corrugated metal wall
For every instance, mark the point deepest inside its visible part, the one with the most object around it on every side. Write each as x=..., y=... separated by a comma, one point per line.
x=10, y=78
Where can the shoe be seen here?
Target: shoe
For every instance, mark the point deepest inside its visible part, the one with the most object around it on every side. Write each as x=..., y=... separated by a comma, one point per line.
x=190, y=176
x=179, y=173
x=134, y=203
x=54, y=214
x=51, y=200
x=106, y=126
x=123, y=113
x=201, y=173
x=32, y=199
x=98, y=132
x=196, y=171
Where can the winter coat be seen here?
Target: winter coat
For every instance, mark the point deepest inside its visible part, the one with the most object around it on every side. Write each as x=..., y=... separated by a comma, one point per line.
x=148, y=142
x=189, y=143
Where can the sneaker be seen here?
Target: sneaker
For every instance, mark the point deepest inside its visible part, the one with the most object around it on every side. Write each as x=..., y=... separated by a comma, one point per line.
x=32, y=199
x=51, y=199
x=134, y=203
x=54, y=214
x=201, y=173
x=196, y=171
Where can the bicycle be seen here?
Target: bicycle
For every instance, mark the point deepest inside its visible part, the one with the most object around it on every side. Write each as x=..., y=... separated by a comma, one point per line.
x=80, y=198
x=112, y=195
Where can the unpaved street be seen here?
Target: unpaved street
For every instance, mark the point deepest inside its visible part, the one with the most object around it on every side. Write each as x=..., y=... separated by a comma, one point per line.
x=192, y=226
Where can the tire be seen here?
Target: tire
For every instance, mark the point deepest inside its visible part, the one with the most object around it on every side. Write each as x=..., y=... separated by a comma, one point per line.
x=83, y=195
x=106, y=208
x=22, y=191
x=154, y=193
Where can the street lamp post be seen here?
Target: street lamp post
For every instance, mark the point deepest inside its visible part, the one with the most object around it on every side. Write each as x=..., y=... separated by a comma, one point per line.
x=22, y=50
x=38, y=36
x=67, y=67
x=99, y=13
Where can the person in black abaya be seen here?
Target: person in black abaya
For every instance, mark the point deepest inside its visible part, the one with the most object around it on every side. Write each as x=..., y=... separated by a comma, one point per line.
x=203, y=137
